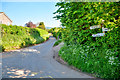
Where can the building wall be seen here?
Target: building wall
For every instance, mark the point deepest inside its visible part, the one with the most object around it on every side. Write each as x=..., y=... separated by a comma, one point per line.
x=4, y=19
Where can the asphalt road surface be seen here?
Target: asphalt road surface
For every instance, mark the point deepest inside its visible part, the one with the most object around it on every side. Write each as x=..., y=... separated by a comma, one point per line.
x=36, y=62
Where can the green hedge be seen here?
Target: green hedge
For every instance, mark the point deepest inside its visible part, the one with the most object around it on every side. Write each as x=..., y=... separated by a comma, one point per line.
x=56, y=32
x=98, y=55
x=99, y=61
x=15, y=37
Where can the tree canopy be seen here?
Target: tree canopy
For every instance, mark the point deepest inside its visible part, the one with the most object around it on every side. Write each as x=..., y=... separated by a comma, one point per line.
x=41, y=25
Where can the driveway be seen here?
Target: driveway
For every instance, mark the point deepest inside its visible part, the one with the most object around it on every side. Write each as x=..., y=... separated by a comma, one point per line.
x=36, y=62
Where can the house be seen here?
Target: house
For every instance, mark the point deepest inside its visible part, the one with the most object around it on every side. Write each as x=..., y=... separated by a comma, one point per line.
x=30, y=24
x=4, y=19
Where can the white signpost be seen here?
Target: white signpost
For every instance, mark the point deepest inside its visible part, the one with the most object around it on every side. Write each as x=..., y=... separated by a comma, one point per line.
x=94, y=27
x=105, y=29
x=99, y=34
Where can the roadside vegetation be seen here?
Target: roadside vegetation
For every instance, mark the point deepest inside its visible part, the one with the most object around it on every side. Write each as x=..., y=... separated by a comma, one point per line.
x=41, y=26
x=97, y=55
x=57, y=42
x=15, y=37
x=57, y=32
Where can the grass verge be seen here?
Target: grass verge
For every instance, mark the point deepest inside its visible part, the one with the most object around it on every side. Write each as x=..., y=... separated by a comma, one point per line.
x=57, y=42
x=15, y=37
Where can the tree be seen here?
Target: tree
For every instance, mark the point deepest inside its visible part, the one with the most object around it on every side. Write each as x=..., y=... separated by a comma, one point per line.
x=30, y=24
x=41, y=25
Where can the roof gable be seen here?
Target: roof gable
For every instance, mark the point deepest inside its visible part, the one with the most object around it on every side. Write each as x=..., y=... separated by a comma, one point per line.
x=6, y=16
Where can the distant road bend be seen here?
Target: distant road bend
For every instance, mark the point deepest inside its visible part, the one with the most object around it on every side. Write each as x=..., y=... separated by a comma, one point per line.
x=36, y=62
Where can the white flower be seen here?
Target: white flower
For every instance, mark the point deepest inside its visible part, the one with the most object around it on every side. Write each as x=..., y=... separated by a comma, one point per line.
x=106, y=56
x=94, y=53
x=87, y=46
x=111, y=58
x=114, y=63
x=74, y=53
x=103, y=20
x=111, y=62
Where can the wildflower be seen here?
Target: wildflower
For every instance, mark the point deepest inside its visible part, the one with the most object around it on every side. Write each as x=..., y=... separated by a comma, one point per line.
x=74, y=53
x=111, y=60
x=87, y=46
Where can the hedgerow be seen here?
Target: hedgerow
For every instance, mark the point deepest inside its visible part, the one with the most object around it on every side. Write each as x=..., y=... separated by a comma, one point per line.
x=15, y=37
x=56, y=32
x=98, y=55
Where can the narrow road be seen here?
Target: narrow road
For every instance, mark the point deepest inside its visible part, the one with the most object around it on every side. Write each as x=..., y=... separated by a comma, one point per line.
x=36, y=62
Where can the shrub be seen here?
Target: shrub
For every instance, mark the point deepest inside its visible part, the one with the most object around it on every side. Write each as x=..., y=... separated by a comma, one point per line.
x=57, y=42
x=56, y=32
x=2, y=48
x=14, y=37
x=101, y=61
x=98, y=55
x=41, y=25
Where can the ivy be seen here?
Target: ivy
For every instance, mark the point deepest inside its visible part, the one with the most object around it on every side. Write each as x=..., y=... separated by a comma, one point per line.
x=77, y=17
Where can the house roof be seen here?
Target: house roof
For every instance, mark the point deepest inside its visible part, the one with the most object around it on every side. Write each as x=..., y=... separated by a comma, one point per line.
x=6, y=16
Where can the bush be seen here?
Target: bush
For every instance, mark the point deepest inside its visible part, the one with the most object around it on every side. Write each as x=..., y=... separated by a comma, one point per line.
x=101, y=61
x=41, y=25
x=15, y=37
x=2, y=48
x=98, y=55
x=77, y=17
x=56, y=32
x=57, y=42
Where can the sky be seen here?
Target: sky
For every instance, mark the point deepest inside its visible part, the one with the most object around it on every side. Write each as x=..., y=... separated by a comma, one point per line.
x=22, y=12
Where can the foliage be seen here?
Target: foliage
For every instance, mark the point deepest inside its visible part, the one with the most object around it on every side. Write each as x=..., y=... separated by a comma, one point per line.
x=41, y=25
x=77, y=17
x=1, y=48
x=14, y=37
x=56, y=32
x=57, y=42
x=102, y=62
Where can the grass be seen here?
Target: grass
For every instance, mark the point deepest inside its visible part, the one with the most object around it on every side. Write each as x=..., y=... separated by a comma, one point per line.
x=15, y=37
x=99, y=61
